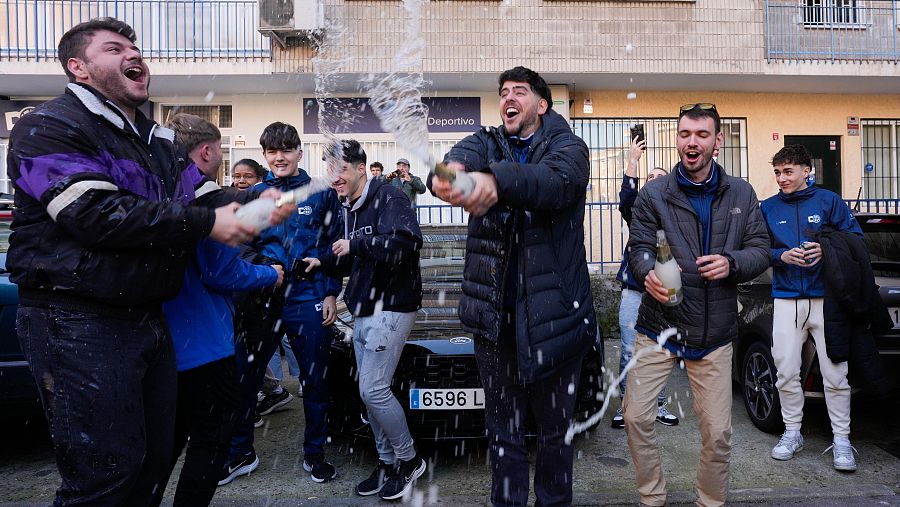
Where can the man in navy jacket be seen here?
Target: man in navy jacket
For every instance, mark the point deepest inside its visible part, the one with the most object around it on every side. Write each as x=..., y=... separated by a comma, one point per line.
x=526, y=291
x=798, y=286
x=380, y=254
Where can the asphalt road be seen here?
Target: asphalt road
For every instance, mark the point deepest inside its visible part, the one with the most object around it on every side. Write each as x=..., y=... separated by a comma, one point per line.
x=458, y=474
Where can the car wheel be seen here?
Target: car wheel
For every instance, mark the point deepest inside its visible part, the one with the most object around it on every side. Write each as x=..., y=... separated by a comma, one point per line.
x=758, y=379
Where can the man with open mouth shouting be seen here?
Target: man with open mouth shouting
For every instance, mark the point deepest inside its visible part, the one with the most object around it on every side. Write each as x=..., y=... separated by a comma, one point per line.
x=526, y=292
x=103, y=231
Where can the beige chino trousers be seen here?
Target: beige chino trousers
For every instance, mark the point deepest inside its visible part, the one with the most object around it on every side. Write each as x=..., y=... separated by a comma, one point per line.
x=710, y=380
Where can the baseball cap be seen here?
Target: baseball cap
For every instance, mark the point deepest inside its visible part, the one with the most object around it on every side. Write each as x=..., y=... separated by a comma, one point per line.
x=403, y=161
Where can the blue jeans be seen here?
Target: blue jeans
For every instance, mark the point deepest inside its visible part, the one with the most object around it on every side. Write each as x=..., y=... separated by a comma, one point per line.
x=378, y=342
x=507, y=401
x=108, y=388
x=275, y=362
x=312, y=342
x=628, y=314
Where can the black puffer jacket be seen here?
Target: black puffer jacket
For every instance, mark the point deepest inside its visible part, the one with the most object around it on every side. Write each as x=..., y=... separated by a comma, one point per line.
x=544, y=201
x=708, y=315
x=853, y=307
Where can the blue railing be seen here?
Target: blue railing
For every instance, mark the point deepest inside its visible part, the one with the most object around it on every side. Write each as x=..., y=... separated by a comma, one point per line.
x=192, y=30
x=605, y=233
x=832, y=31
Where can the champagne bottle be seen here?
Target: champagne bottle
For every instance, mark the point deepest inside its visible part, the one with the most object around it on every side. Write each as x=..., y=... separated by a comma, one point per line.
x=256, y=213
x=460, y=180
x=667, y=271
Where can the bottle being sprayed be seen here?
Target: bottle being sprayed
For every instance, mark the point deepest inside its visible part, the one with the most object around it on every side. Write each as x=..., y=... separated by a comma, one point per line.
x=257, y=213
x=461, y=181
x=667, y=271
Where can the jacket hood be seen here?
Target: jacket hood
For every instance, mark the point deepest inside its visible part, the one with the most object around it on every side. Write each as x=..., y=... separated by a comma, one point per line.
x=287, y=182
x=798, y=196
x=368, y=193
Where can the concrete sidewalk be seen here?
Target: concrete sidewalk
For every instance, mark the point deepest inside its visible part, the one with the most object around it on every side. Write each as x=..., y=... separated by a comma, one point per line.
x=458, y=473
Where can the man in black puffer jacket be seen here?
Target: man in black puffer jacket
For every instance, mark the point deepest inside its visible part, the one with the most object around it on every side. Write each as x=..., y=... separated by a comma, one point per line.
x=526, y=291
x=718, y=237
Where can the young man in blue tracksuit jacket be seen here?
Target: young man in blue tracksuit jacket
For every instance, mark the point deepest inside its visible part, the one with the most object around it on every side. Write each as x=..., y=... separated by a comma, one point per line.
x=632, y=291
x=798, y=287
x=201, y=322
x=310, y=304
x=380, y=254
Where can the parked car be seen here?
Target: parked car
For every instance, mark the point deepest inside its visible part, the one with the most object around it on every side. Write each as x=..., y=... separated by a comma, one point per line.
x=754, y=368
x=437, y=380
x=17, y=387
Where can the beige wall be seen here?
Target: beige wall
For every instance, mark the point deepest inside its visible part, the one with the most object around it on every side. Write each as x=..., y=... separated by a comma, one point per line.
x=766, y=113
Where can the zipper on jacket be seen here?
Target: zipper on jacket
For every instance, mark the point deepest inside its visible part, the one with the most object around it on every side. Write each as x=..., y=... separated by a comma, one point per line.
x=797, y=214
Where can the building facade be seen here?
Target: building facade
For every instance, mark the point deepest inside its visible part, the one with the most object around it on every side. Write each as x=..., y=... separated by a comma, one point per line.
x=823, y=73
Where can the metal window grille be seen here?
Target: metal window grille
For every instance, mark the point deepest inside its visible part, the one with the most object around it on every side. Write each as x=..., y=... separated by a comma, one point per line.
x=608, y=141
x=880, y=155
x=218, y=115
x=832, y=12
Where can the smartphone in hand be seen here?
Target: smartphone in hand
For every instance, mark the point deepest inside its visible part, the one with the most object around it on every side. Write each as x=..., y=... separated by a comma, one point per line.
x=637, y=131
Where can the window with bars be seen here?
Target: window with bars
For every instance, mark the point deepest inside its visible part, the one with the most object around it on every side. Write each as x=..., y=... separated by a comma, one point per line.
x=218, y=115
x=880, y=154
x=832, y=12
x=608, y=141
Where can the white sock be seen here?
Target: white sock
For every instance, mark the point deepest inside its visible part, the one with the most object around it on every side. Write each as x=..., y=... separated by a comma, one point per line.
x=792, y=433
x=845, y=439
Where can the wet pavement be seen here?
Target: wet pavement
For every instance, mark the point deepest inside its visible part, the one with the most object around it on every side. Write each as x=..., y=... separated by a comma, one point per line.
x=458, y=474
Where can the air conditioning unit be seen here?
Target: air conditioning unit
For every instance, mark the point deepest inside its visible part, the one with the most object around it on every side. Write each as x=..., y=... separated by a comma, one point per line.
x=287, y=17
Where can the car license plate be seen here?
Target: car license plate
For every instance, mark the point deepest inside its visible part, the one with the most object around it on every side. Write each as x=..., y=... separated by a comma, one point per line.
x=446, y=399
x=895, y=314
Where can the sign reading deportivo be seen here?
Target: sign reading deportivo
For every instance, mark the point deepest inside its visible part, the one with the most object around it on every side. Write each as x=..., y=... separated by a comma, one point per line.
x=354, y=116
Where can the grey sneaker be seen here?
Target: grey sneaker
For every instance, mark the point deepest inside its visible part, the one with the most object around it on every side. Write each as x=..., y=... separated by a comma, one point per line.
x=790, y=443
x=843, y=455
x=664, y=416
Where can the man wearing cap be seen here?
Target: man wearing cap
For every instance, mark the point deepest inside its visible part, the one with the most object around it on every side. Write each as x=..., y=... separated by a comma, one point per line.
x=409, y=184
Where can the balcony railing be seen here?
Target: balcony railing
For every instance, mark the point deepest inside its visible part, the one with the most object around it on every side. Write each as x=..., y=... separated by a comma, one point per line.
x=832, y=30
x=185, y=30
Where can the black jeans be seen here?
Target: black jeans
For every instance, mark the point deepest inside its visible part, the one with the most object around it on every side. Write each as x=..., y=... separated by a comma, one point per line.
x=107, y=386
x=208, y=401
x=507, y=401
x=257, y=315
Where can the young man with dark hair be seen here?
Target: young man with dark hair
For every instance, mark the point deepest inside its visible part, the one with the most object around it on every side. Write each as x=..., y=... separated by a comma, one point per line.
x=309, y=304
x=526, y=291
x=380, y=254
x=200, y=319
x=794, y=216
x=632, y=292
x=718, y=238
x=377, y=170
x=103, y=230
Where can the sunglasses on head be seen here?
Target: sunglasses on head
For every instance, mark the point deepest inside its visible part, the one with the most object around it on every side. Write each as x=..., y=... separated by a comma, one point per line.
x=705, y=106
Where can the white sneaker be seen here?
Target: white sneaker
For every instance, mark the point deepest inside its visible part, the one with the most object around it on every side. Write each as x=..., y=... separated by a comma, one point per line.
x=843, y=455
x=790, y=443
x=664, y=416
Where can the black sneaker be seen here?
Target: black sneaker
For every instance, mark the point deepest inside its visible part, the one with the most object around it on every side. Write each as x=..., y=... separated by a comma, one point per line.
x=273, y=402
x=375, y=481
x=320, y=470
x=400, y=481
x=618, y=420
x=257, y=420
x=241, y=465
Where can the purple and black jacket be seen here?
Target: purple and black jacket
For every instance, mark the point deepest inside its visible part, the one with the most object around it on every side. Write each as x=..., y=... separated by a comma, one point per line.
x=102, y=217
